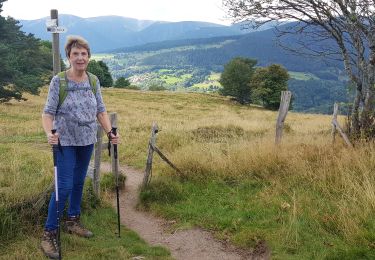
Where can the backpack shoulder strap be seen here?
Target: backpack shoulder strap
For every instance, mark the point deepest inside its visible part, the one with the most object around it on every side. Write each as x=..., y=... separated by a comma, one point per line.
x=63, y=85
x=92, y=79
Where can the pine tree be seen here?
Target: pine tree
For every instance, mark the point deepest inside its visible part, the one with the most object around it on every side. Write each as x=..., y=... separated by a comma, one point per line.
x=24, y=61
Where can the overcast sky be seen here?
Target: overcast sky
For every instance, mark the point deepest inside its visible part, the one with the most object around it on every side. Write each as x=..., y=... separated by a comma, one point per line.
x=162, y=10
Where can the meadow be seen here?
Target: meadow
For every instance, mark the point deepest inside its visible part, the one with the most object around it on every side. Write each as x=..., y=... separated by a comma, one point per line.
x=307, y=198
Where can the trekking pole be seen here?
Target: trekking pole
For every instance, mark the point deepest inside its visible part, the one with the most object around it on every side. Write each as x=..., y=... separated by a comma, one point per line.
x=54, y=150
x=114, y=131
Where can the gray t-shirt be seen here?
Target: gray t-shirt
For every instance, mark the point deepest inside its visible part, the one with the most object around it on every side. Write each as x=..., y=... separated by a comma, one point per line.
x=75, y=119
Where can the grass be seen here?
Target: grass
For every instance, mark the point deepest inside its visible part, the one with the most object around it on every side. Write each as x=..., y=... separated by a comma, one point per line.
x=213, y=80
x=300, y=217
x=312, y=200
x=302, y=75
x=26, y=170
x=171, y=79
x=104, y=245
x=307, y=199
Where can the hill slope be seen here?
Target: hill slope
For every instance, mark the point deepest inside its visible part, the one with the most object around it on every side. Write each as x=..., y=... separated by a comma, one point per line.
x=304, y=199
x=195, y=64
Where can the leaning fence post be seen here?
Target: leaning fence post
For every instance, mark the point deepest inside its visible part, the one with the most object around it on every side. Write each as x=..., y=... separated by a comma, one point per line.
x=151, y=144
x=334, y=119
x=283, y=110
x=337, y=126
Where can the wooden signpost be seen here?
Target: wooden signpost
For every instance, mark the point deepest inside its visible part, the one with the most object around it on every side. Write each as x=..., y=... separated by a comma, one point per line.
x=53, y=27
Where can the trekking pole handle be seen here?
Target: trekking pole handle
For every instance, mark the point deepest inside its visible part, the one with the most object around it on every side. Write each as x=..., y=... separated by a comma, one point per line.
x=53, y=131
x=54, y=147
x=114, y=131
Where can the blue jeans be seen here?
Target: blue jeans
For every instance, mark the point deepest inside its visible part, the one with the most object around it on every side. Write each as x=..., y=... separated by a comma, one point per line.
x=72, y=164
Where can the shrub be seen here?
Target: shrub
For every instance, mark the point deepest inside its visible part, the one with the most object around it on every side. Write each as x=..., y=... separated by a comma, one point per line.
x=122, y=82
x=156, y=88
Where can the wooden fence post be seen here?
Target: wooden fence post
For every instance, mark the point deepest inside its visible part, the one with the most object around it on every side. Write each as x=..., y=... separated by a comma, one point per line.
x=97, y=161
x=283, y=110
x=151, y=144
x=94, y=171
x=336, y=125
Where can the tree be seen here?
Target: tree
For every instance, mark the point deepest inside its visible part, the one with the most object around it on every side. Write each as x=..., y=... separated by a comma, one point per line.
x=155, y=87
x=267, y=84
x=236, y=77
x=24, y=61
x=122, y=82
x=342, y=29
x=100, y=69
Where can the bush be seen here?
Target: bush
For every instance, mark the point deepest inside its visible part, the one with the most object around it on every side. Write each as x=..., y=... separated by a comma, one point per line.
x=122, y=82
x=156, y=88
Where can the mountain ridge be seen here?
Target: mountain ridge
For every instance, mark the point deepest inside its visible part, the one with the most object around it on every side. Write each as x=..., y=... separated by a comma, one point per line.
x=111, y=32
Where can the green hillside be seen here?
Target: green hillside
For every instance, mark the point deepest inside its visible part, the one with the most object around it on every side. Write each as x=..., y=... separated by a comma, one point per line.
x=188, y=65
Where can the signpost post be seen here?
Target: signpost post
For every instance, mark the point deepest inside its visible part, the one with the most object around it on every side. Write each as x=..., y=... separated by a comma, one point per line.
x=53, y=27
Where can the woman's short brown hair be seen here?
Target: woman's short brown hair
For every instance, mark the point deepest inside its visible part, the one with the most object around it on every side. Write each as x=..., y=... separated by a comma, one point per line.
x=76, y=41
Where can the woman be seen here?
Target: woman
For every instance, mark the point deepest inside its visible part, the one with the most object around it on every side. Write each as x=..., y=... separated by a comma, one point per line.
x=74, y=117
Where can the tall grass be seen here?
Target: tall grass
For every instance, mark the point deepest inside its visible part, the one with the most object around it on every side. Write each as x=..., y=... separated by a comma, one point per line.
x=306, y=198
x=344, y=177
x=329, y=189
x=25, y=165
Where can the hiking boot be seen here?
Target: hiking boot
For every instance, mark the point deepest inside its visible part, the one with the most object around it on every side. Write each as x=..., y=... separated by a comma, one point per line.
x=74, y=226
x=49, y=244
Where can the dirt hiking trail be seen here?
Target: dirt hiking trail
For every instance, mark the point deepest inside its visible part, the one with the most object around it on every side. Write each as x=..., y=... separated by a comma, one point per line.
x=190, y=244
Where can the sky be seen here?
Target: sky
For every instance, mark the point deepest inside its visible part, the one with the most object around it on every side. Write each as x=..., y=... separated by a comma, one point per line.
x=160, y=10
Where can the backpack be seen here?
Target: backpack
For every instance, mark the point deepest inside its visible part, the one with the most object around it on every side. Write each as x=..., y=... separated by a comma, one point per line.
x=64, y=84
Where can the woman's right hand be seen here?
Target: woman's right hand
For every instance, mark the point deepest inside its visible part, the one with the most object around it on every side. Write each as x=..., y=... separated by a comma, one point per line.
x=53, y=138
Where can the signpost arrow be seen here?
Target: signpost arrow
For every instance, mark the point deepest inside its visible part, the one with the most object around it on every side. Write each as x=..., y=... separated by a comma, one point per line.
x=57, y=29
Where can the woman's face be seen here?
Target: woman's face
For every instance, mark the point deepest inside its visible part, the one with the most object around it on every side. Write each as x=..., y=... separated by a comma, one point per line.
x=79, y=58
